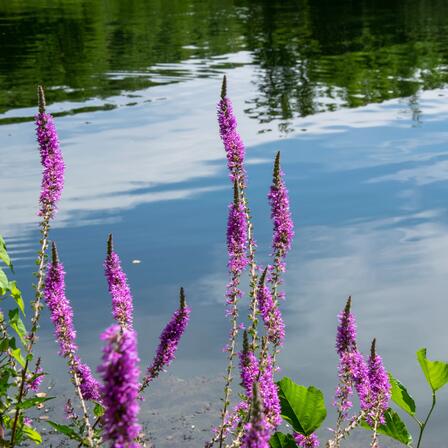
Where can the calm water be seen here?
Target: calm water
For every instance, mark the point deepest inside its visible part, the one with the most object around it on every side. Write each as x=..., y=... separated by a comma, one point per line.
x=353, y=94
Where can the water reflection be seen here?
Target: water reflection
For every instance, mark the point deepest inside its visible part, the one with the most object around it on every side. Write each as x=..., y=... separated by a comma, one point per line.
x=309, y=56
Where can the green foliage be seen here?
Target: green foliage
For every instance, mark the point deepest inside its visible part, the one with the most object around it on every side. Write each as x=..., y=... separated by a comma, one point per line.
x=66, y=430
x=31, y=434
x=302, y=407
x=280, y=440
x=393, y=427
x=401, y=397
x=16, y=323
x=31, y=402
x=436, y=372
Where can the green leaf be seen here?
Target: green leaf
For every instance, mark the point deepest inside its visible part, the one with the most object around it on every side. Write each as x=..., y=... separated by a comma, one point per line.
x=401, y=397
x=32, y=434
x=393, y=428
x=17, y=325
x=4, y=283
x=280, y=440
x=17, y=295
x=66, y=430
x=436, y=372
x=4, y=254
x=302, y=407
x=17, y=355
x=98, y=410
x=33, y=401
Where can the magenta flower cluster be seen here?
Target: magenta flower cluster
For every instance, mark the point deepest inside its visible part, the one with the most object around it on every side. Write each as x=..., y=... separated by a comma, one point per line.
x=270, y=313
x=122, y=306
x=231, y=139
x=120, y=373
x=369, y=379
x=280, y=213
x=51, y=160
x=237, y=238
x=169, y=340
x=311, y=441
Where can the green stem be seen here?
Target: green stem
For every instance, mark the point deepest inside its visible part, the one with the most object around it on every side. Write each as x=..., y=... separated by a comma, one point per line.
x=423, y=425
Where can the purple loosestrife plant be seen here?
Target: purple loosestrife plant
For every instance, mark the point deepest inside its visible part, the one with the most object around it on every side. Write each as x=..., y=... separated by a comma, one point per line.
x=122, y=307
x=270, y=312
x=379, y=393
x=310, y=441
x=280, y=214
x=51, y=190
x=231, y=139
x=169, y=340
x=257, y=431
x=35, y=379
x=51, y=160
x=120, y=373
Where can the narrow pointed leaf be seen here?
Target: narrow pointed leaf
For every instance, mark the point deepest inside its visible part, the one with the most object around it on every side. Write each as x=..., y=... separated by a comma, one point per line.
x=32, y=434
x=17, y=355
x=33, y=401
x=302, y=407
x=4, y=254
x=17, y=295
x=4, y=283
x=436, y=372
x=17, y=324
x=66, y=430
x=393, y=428
x=401, y=397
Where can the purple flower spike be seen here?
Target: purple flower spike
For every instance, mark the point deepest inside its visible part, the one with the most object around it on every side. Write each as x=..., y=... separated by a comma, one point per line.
x=60, y=309
x=120, y=372
x=232, y=141
x=35, y=379
x=169, y=340
x=51, y=160
x=89, y=385
x=257, y=432
x=237, y=234
x=380, y=388
x=280, y=213
x=346, y=332
x=310, y=441
x=122, y=307
x=249, y=369
x=270, y=312
x=269, y=393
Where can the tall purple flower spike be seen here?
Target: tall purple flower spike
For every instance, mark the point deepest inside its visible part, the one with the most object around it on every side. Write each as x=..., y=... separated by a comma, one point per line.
x=51, y=160
x=120, y=372
x=237, y=234
x=270, y=312
x=310, y=441
x=230, y=137
x=258, y=431
x=269, y=393
x=249, y=368
x=122, y=306
x=379, y=395
x=61, y=314
x=280, y=213
x=352, y=369
x=169, y=340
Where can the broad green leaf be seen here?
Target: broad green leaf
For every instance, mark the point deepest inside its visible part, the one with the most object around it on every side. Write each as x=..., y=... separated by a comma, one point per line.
x=98, y=410
x=401, y=397
x=32, y=434
x=17, y=325
x=33, y=401
x=436, y=372
x=280, y=440
x=17, y=295
x=17, y=355
x=66, y=430
x=4, y=254
x=302, y=407
x=4, y=283
x=393, y=428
